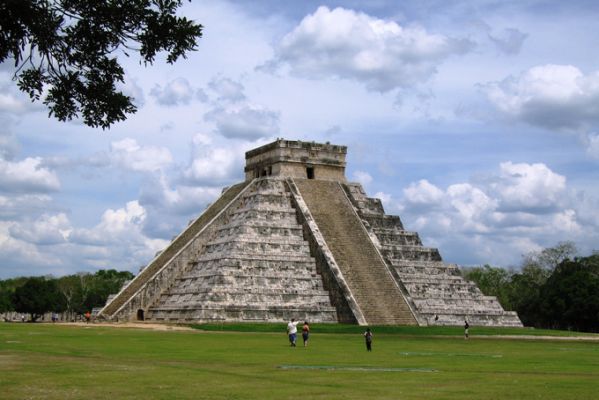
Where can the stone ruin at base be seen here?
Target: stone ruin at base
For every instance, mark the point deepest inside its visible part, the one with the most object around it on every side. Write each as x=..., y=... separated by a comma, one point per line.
x=296, y=240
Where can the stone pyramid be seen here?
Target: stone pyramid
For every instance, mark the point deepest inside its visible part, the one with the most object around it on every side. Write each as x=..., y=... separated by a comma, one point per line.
x=296, y=240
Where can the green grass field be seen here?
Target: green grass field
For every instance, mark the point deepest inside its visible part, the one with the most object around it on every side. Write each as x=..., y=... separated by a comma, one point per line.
x=42, y=361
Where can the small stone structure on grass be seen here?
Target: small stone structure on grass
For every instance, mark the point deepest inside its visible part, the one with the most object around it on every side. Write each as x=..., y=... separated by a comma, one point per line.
x=296, y=239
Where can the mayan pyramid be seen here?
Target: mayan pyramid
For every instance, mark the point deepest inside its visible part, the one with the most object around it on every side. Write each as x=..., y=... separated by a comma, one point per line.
x=296, y=240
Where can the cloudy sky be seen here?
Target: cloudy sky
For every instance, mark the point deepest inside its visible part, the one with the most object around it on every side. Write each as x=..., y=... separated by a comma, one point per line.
x=475, y=121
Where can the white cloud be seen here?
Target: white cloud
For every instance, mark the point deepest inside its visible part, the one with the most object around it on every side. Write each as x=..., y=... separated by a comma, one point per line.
x=132, y=89
x=177, y=92
x=352, y=45
x=550, y=96
x=529, y=186
x=15, y=102
x=127, y=153
x=363, y=177
x=523, y=207
x=46, y=230
x=227, y=89
x=423, y=193
x=122, y=231
x=245, y=122
x=27, y=176
x=213, y=163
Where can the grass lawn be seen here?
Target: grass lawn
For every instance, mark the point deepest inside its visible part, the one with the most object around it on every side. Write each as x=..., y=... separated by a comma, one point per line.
x=42, y=361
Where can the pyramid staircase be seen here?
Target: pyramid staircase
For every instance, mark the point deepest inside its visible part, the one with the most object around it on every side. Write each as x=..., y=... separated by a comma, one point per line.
x=371, y=283
x=437, y=290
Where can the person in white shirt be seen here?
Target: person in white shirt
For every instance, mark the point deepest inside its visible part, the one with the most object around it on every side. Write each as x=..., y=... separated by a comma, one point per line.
x=292, y=331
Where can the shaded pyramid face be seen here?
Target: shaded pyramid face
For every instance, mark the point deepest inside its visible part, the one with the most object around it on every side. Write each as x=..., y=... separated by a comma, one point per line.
x=296, y=241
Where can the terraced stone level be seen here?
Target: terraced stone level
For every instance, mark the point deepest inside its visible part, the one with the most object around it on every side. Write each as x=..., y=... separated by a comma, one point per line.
x=256, y=267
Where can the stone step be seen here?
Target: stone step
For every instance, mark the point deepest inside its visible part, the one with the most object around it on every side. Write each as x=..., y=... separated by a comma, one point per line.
x=305, y=257
x=256, y=314
x=259, y=226
x=384, y=221
x=257, y=240
x=416, y=253
x=367, y=276
x=247, y=299
x=403, y=238
x=250, y=282
x=240, y=247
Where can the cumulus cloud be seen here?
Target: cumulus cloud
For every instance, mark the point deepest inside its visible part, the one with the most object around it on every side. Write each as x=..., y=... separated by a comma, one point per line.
x=122, y=227
x=127, y=153
x=46, y=230
x=528, y=186
x=550, y=96
x=509, y=41
x=248, y=122
x=132, y=89
x=363, y=177
x=176, y=92
x=16, y=207
x=227, y=89
x=15, y=102
x=212, y=162
x=520, y=208
x=422, y=194
x=27, y=176
x=346, y=44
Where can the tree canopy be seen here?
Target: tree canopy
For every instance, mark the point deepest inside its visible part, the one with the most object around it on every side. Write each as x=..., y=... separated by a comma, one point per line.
x=553, y=289
x=65, y=51
x=72, y=294
x=36, y=297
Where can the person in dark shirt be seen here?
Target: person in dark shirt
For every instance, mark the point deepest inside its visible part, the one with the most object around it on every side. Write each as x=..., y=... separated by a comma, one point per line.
x=306, y=333
x=368, y=338
x=466, y=326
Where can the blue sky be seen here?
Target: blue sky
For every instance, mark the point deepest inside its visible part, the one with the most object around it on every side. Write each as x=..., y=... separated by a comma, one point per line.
x=475, y=121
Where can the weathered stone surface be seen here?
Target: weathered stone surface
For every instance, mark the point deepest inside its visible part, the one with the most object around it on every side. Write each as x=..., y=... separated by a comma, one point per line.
x=440, y=294
x=295, y=240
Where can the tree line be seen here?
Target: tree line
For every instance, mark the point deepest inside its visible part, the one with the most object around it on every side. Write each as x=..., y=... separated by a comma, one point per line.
x=71, y=294
x=553, y=288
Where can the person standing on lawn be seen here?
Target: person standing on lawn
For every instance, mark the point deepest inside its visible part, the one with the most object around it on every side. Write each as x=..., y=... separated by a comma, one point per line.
x=368, y=338
x=292, y=331
x=306, y=333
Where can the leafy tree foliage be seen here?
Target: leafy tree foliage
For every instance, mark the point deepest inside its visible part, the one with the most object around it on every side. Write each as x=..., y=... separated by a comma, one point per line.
x=67, y=50
x=7, y=289
x=570, y=297
x=492, y=281
x=553, y=289
x=548, y=259
x=36, y=297
x=73, y=294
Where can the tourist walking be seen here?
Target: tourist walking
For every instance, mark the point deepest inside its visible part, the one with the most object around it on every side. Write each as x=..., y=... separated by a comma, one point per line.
x=368, y=338
x=306, y=333
x=466, y=326
x=292, y=331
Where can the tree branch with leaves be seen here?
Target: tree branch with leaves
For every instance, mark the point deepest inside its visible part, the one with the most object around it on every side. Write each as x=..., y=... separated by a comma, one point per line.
x=65, y=52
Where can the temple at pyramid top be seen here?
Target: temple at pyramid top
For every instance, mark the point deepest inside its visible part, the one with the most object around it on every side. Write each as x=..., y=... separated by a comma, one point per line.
x=297, y=159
